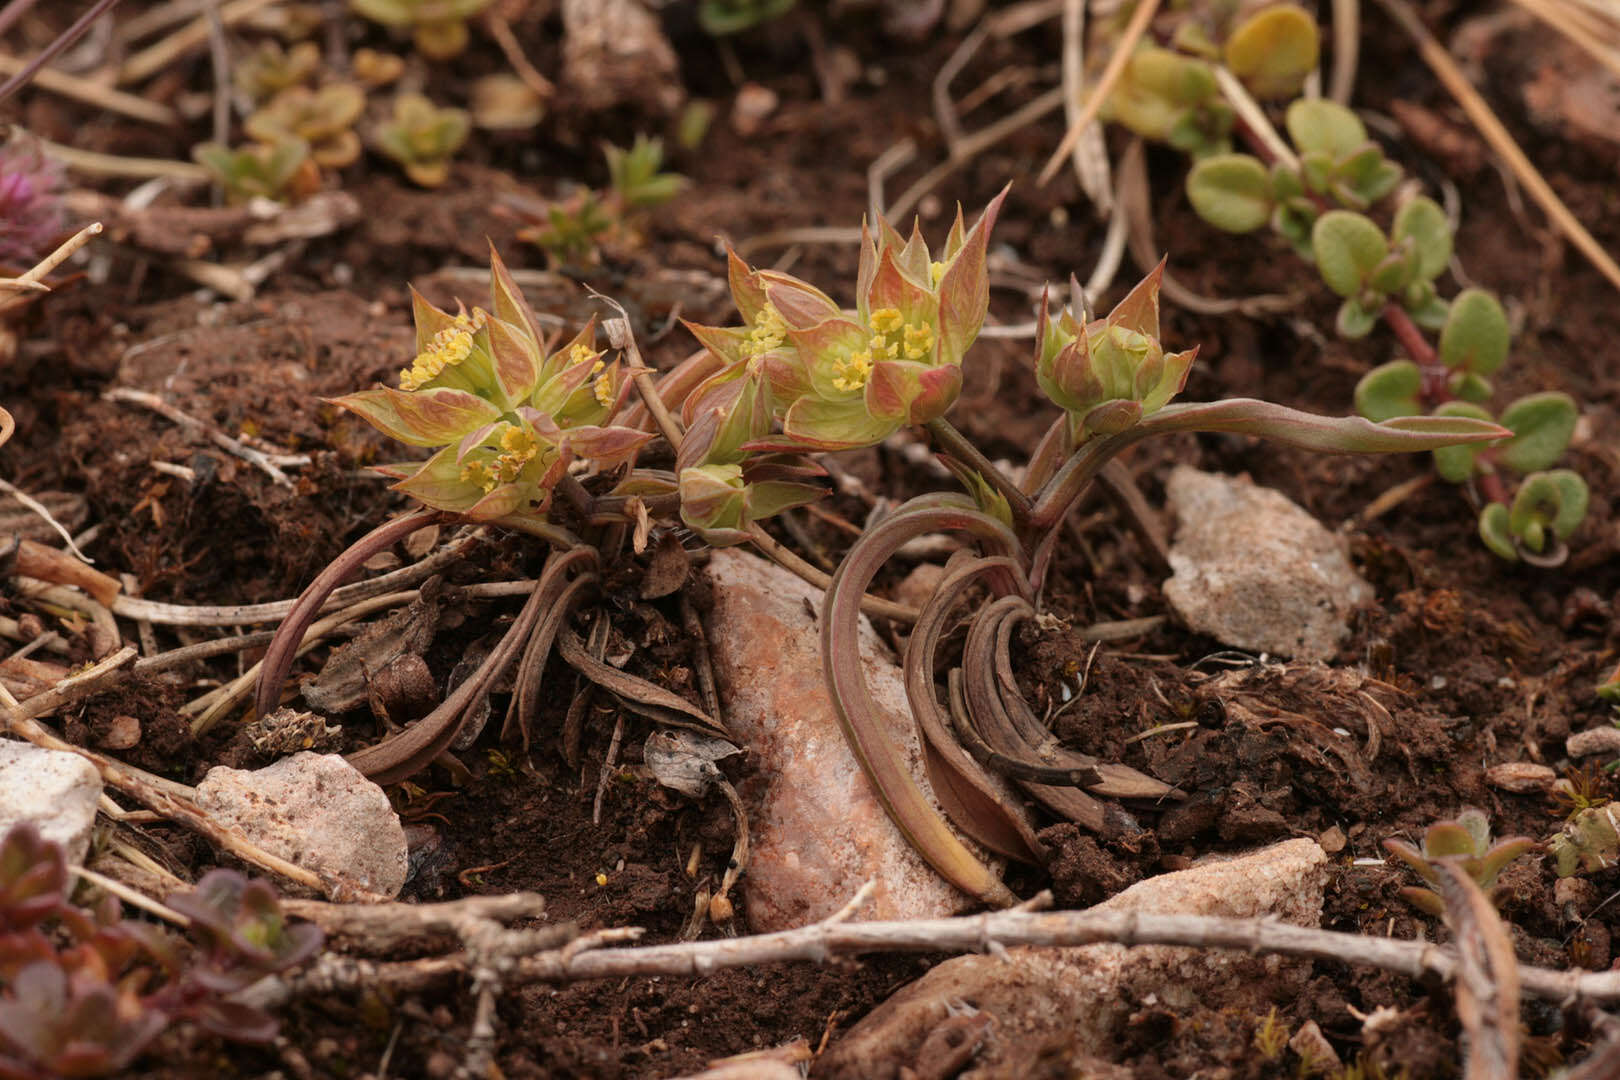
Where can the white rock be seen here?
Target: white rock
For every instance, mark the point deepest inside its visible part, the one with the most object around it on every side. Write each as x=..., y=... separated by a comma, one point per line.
x=318, y=811
x=1255, y=571
x=56, y=790
x=1070, y=1001
x=819, y=831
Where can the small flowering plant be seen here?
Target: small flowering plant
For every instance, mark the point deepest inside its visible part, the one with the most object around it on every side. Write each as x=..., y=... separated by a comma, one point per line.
x=506, y=416
x=802, y=375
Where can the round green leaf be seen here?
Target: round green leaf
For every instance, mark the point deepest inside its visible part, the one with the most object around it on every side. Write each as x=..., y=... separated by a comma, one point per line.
x=1476, y=335
x=1355, y=321
x=1455, y=464
x=1395, y=272
x=1493, y=529
x=1556, y=500
x=1389, y=390
x=1315, y=124
x=1365, y=176
x=1424, y=221
x=1231, y=192
x=1542, y=425
x=1348, y=247
x=1274, y=50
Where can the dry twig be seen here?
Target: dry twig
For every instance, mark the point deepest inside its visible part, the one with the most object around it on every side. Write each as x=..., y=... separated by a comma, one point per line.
x=1123, y=50
x=1445, y=68
x=256, y=458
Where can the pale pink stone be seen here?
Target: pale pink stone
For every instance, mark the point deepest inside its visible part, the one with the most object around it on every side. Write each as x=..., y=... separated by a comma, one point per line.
x=819, y=831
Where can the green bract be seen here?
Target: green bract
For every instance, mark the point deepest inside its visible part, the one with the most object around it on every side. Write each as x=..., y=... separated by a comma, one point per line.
x=721, y=17
x=508, y=417
x=1109, y=374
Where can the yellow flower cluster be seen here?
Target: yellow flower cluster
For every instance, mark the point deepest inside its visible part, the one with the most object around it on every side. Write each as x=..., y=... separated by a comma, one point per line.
x=895, y=339
x=520, y=448
x=448, y=348
x=769, y=332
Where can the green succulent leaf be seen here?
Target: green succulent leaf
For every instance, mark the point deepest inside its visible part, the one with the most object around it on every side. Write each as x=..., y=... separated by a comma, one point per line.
x=1469, y=387
x=1390, y=390
x=1354, y=320
x=1425, y=223
x=1348, y=249
x=1273, y=51
x=1425, y=306
x=1476, y=335
x=1542, y=425
x=1455, y=464
x=1231, y=191
x=1396, y=270
x=1493, y=529
x=1554, y=500
x=1317, y=125
x=1365, y=177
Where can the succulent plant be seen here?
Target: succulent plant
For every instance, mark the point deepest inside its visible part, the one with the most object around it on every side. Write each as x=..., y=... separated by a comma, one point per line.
x=31, y=213
x=438, y=27
x=635, y=177
x=322, y=118
x=423, y=138
x=281, y=171
x=269, y=69
x=572, y=230
x=507, y=416
x=1467, y=839
x=722, y=17
x=82, y=993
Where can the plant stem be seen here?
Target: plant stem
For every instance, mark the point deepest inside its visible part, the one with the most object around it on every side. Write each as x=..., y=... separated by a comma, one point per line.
x=1434, y=388
x=48, y=53
x=957, y=445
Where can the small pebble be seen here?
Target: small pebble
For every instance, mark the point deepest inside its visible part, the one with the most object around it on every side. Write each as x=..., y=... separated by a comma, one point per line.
x=1520, y=777
x=122, y=732
x=1332, y=840
x=1603, y=740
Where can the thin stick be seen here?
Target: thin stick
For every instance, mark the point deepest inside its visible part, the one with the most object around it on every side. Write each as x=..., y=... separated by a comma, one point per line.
x=1124, y=48
x=1346, y=49
x=620, y=336
x=193, y=35
x=92, y=163
x=1090, y=156
x=219, y=55
x=975, y=144
x=73, y=687
x=26, y=74
x=501, y=31
x=90, y=93
x=40, y=509
x=54, y=259
x=609, y=763
x=134, y=607
x=984, y=933
x=1445, y=68
x=131, y=896
x=1250, y=112
x=257, y=458
x=1574, y=28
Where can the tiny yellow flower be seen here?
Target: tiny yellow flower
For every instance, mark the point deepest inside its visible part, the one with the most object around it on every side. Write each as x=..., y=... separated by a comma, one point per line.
x=601, y=878
x=603, y=391
x=886, y=320
x=852, y=371
x=769, y=332
x=936, y=271
x=581, y=353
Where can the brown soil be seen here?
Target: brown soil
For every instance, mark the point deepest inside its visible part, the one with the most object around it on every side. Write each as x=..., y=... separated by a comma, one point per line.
x=1476, y=662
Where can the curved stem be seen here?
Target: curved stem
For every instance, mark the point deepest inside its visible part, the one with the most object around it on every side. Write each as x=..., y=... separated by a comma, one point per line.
x=1048, y=455
x=278, y=658
x=402, y=755
x=970, y=797
x=858, y=714
x=957, y=445
x=555, y=535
